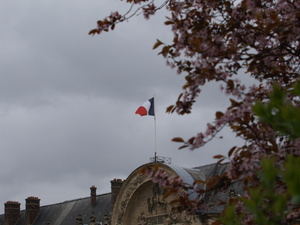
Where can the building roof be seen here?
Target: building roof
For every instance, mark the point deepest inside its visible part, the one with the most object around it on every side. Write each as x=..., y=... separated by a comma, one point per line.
x=212, y=199
x=215, y=199
x=67, y=212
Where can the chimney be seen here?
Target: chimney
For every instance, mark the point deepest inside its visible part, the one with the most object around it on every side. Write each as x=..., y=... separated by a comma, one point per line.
x=11, y=212
x=93, y=195
x=116, y=185
x=32, y=209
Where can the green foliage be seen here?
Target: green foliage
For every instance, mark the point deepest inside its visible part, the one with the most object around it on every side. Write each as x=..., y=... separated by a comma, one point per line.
x=292, y=178
x=265, y=202
x=281, y=114
x=231, y=217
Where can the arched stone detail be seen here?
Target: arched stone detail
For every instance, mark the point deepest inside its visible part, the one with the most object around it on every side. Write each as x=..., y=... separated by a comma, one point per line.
x=126, y=196
x=139, y=201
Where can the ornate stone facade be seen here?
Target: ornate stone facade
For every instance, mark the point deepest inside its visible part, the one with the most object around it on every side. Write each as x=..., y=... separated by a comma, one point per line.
x=141, y=202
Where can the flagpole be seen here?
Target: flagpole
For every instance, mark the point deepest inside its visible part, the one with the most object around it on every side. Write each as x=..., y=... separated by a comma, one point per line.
x=155, y=143
x=148, y=108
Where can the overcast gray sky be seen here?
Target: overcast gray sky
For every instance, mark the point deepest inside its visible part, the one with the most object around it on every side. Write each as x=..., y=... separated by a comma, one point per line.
x=68, y=100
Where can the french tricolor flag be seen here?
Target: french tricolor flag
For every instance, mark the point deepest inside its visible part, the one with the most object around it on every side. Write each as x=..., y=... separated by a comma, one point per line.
x=147, y=108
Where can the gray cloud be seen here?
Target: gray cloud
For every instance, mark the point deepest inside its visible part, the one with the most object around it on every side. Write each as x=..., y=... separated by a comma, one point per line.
x=67, y=100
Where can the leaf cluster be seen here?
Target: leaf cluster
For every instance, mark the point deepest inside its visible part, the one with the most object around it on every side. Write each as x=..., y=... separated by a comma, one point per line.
x=280, y=112
x=266, y=203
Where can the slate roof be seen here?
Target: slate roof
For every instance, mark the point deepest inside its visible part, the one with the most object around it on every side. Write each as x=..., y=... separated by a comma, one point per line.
x=214, y=199
x=67, y=212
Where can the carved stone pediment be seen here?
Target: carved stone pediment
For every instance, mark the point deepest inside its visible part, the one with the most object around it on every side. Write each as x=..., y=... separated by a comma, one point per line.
x=142, y=202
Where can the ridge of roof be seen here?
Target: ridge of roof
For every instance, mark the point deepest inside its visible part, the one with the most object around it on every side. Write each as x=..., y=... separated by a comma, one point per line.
x=209, y=165
x=73, y=200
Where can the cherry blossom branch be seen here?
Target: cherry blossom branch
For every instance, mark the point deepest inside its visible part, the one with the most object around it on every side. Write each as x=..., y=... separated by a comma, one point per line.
x=115, y=17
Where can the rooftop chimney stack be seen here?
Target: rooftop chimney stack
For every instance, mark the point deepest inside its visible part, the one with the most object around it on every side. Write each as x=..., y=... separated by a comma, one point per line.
x=11, y=212
x=93, y=195
x=116, y=185
x=32, y=209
